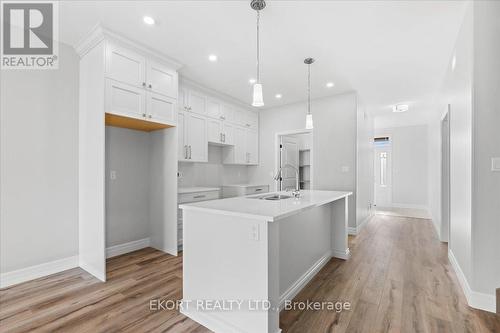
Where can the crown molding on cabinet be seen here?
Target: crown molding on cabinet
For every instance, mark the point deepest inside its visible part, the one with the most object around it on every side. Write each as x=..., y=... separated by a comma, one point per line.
x=98, y=33
x=214, y=93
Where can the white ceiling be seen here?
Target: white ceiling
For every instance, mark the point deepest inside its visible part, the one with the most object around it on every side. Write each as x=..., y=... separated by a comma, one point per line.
x=389, y=51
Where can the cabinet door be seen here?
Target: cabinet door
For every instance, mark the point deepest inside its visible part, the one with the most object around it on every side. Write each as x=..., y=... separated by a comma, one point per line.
x=197, y=138
x=197, y=102
x=125, y=100
x=161, y=79
x=240, y=117
x=252, y=145
x=214, y=130
x=160, y=109
x=181, y=134
x=252, y=119
x=228, y=132
x=240, y=151
x=182, y=100
x=213, y=108
x=227, y=113
x=125, y=66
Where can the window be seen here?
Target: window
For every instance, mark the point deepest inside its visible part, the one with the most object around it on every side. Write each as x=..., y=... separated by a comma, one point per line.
x=383, y=169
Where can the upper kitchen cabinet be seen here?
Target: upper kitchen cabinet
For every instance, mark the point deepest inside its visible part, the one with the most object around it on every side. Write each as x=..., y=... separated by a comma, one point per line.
x=125, y=65
x=160, y=79
x=227, y=113
x=192, y=137
x=139, y=86
x=192, y=101
x=214, y=108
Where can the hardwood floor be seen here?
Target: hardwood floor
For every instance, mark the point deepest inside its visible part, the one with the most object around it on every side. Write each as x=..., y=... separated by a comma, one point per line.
x=399, y=279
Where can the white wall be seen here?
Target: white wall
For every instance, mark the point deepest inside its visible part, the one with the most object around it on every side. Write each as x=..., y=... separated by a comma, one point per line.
x=212, y=173
x=39, y=164
x=365, y=176
x=334, y=143
x=409, y=165
x=472, y=90
x=127, y=196
x=486, y=144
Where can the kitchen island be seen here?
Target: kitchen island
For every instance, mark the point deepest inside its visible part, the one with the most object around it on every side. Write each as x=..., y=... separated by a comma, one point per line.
x=245, y=256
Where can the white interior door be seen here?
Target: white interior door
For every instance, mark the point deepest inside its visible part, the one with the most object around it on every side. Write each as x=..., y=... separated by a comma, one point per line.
x=289, y=154
x=383, y=176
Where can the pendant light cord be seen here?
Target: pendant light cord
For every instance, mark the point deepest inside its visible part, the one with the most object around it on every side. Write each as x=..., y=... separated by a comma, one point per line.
x=258, y=47
x=309, y=89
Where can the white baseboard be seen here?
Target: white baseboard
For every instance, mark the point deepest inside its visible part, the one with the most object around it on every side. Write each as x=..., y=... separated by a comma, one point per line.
x=341, y=254
x=34, y=272
x=119, y=249
x=356, y=230
x=212, y=322
x=296, y=287
x=475, y=299
x=410, y=206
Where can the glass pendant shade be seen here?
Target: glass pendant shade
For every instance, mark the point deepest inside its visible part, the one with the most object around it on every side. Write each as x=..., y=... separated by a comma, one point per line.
x=258, y=99
x=309, y=121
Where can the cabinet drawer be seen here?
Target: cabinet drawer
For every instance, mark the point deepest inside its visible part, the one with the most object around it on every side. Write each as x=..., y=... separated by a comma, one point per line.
x=256, y=189
x=198, y=196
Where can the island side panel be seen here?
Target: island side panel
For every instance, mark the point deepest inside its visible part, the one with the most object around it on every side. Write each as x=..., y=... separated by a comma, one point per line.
x=304, y=247
x=225, y=258
x=340, y=215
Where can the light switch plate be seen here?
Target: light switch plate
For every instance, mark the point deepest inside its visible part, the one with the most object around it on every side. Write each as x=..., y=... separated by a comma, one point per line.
x=495, y=164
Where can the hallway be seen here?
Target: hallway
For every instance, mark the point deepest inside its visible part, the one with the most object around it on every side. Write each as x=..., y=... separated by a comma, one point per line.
x=398, y=279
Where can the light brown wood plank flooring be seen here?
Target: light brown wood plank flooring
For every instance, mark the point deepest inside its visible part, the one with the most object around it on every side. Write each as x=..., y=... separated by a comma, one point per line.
x=398, y=279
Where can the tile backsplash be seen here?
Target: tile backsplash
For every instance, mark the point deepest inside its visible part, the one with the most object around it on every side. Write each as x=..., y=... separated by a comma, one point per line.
x=212, y=173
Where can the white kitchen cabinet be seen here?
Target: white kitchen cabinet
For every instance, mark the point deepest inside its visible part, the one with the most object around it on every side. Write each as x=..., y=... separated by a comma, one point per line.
x=181, y=136
x=125, y=65
x=252, y=147
x=214, y=108
x=214, y=131
x=123, y=99
x=197, y=102
x=193, y=145
x=240, y=190
x=228, y=133
x=182, y=99
x=160, y=79
x=240, y=153
x=160, y=108
x=227, y=113
x=252, y=119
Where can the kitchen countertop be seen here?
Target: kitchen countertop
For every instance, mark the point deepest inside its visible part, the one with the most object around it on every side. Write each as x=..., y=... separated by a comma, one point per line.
x=182, y=190
x=244, y=185
x=267, y=210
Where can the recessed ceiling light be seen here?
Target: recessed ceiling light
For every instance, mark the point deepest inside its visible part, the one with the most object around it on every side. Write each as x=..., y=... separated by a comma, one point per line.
x=400, y=108
x=212, y=58
x=252, y=81
x=278, y=96
x=149, y=20
x=330, y=85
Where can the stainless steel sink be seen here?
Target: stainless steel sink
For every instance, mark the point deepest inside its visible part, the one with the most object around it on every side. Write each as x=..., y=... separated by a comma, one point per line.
x=271, y=197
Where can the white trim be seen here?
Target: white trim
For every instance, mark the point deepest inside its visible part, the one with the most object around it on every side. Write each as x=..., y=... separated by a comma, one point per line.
x=37, y=271
x=475, y=299
x=341, y=254
x=212, y=322
x=120, y=249
x=410, y=206
x=298, y=285
x=356, y=230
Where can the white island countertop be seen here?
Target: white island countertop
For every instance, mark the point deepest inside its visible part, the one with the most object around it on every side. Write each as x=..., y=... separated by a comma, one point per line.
x=268, y=210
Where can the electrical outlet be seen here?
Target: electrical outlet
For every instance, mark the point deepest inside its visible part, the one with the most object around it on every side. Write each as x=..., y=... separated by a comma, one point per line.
x=345, y=169
x=254, y=232
x=112, y=175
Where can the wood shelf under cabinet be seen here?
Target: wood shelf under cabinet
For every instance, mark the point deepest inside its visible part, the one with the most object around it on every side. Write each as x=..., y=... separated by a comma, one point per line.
x=133, y=123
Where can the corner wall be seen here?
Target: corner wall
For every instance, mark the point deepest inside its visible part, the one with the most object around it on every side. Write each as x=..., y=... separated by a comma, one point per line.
x=39, y=164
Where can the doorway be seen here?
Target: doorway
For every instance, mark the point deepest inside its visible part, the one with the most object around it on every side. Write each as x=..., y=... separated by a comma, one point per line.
x=383, y=172
x=445, y=176
x=294, y=148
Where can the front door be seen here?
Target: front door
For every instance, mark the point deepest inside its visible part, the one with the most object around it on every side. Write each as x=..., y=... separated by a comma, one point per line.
x=383, y=175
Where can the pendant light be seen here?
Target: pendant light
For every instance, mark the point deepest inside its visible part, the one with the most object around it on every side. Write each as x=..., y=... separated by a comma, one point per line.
x=309, y=116
x=258, y=99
